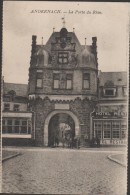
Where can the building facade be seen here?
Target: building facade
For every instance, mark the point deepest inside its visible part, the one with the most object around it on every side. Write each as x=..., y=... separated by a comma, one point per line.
x=16, y=119
x=66, y=91
x=110, y=119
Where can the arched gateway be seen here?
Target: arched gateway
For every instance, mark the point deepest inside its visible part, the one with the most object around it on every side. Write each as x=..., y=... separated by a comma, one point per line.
x=52, y=114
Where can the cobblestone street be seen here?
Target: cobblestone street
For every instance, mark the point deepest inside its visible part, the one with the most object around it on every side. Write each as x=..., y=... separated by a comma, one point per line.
x=63, y=171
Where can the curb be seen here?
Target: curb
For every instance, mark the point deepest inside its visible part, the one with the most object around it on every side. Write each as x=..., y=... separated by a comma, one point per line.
x=115, y=160
x=11, y=156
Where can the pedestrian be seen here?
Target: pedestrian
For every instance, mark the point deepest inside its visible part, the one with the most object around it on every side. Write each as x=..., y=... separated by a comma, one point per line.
x=98, y=141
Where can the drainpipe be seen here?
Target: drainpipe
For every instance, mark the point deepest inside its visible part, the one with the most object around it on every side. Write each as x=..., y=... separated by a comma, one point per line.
x=91, y=124
x=34, y=119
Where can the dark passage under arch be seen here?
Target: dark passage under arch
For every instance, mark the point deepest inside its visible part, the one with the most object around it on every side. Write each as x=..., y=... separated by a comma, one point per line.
x=60, y=124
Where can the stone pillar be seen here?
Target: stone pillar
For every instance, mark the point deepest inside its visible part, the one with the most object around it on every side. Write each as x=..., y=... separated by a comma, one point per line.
x=46, y=135
x=77, y=131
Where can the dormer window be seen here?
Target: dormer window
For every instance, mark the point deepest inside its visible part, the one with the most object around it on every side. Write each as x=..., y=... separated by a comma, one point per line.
x=6, y=107
x=16, y=107
x=109, y=92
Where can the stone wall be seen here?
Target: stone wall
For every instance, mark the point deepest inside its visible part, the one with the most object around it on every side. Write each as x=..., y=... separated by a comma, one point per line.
x=42, y=108
x=77, y=82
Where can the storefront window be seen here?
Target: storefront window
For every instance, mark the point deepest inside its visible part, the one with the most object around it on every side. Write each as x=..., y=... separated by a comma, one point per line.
x=115, y=129
x=3, y=126
x=98, y=128
x=9, y=126
x=16, y=126
x=107, y=129
x=123, y=129
x=24, y=127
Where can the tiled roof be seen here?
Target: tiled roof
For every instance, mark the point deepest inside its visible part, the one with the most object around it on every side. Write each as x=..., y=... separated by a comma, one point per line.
x=118, y=78
x=20, y=89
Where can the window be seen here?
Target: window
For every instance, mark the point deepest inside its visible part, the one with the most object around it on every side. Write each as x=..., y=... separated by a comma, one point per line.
x=107, y=129
x=110, y=92
x=39, y=83
x=39, y=80
x=24, y=127
x=86, y=81
x=69, y=81
x=115, y=129
x=62, y=81
x=63, y=58
x=123, y=129
x=16, y=107
x=9, y=126
x=40, y=59
x=98, y=128
x=124, y=91
x=17, y=126
x=56, y=78
x=3, y=126
x=6, y=107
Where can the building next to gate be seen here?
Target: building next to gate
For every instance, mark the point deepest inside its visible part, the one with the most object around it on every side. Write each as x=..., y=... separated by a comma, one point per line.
x=16, y=118
x=66, y=87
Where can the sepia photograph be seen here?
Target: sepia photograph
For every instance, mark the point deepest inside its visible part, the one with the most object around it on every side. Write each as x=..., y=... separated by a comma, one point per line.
x=65, y=76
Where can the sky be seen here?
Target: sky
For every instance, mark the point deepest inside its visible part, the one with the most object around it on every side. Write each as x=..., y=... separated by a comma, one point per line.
x=107, y=21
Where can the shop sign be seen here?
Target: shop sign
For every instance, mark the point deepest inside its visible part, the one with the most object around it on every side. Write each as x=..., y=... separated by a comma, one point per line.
x=109, y=114
x=114, y=142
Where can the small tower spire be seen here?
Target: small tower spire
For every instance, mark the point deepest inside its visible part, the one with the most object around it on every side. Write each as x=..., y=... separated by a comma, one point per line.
x=42, y=40
x=85, y=42
x=53, y=29
x=73, y=29
x=63, y=20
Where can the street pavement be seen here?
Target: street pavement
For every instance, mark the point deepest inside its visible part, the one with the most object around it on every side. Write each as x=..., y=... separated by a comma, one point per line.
x=64, y=171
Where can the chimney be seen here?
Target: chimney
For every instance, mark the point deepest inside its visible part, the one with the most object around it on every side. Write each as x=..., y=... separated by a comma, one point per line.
x=34, y=37
x=94, y=48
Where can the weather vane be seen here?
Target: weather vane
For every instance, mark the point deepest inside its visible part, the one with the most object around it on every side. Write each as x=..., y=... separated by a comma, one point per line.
x=63, y=19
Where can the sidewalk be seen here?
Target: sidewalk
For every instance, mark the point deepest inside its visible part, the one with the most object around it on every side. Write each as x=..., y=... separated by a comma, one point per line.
x=119, y=158
x=9, y=154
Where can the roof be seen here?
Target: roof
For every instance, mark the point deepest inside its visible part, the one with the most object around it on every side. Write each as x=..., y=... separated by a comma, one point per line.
x=57, y=34
x=20, y=89
x=118, y=78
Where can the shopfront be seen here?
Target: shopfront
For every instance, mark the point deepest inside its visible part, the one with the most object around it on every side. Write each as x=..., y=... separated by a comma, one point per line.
x=110, y=127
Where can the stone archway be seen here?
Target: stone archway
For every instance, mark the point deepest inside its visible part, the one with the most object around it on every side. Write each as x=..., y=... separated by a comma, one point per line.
x=47, y=120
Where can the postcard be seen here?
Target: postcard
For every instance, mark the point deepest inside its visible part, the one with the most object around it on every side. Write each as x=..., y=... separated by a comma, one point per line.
x=65, y=97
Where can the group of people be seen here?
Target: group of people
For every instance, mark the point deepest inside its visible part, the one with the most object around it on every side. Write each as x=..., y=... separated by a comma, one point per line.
x=70, y=141
x=95, y=142
x=67, y=140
